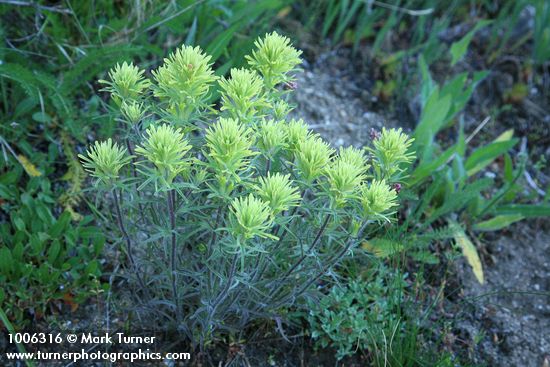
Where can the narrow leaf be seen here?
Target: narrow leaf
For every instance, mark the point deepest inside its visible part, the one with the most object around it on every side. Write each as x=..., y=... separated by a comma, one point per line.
x=527, y=210
x=469, y=251
x=482, y=157
x=498, y=222
x=459, y=48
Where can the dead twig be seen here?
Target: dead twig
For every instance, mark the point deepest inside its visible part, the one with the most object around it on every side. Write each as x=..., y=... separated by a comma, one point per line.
x=533, y=184
x=478, y=129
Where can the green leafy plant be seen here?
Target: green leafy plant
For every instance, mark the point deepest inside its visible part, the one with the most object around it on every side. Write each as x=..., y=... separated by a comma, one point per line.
x=232, y=216
x=446, y=197
x=45, y=261
x=371, y=315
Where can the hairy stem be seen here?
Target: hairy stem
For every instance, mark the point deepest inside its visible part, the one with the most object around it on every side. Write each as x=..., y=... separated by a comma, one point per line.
x=173, y=257
x=333, y=261
x=211, y=244
x=129, y=248
x=134, y=174
x=223, y=294
x=261, y=266
x=267, y=166
x=276, y=290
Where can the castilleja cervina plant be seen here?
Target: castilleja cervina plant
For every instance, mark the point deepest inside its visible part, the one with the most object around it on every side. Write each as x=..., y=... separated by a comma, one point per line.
x=232, y=214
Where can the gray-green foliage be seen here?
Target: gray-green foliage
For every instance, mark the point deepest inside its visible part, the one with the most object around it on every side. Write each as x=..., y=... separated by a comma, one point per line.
x=231, y=216
x=50, y=57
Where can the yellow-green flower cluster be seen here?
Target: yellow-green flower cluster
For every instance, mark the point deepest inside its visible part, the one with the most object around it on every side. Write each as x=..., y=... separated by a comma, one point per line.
x=132, y=111
x=274, y=58
x=278, y=192
x=296, y=131
x=229, y=146
x=229, y=181
x=345, y=174
x=127, y=83
x=166, y=148
x=183, y=81
x=242, y=93
x=354, y=156
x=104, y=160
x=280, y=109
x=254, y=121
x=391, y=149
x=312, y=157
x=271, y=137
x=250, y=217
x=377, y=199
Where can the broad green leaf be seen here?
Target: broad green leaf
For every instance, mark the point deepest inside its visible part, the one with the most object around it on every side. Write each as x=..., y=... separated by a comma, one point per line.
x=43, y=273
x=53, y=251
x=92, y=268
x=37, y=245
x=18, y=252
x=498, y=222
x=458, y=172
x=6, y=260
x=428, y=84
x=459, y=48
x=6, y=192
x=190, y=39
x=469, y=251
x=60, y=225
x=508, y=168
x=41, y=117
x=460, y=91
x=19, y=223
x=43, y=213
x=219, y=44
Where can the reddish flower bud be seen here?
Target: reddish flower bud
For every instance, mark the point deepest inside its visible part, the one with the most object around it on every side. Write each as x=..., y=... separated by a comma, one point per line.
x=292, y=85
x=397, y=187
